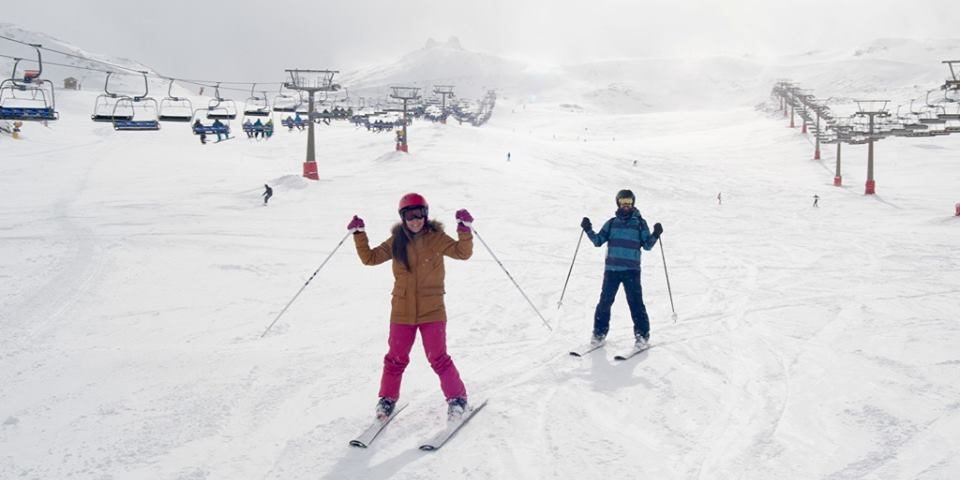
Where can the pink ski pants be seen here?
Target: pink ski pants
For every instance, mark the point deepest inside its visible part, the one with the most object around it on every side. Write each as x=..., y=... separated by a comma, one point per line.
x=433, y=335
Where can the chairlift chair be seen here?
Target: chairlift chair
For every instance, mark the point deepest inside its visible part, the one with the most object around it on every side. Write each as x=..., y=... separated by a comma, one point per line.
x=286, y=103
x=256, y=106
x=149, y=120
x=104, y=107
x=175, y=109
x=39, y=106
x=221, y=108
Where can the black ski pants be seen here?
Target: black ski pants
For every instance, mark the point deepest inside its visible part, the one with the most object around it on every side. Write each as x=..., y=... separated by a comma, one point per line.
x=631, y=287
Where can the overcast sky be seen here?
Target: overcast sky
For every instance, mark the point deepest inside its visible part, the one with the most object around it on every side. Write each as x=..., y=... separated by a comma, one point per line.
x=246, y=40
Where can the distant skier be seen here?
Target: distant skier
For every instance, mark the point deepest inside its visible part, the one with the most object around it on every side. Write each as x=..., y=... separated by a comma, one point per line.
x=257, y=129
x=268, y=128
x=816, y=200
x=220, y=129
x=417, y=247
x=627, y=233
x=719, y=199
x=267, y=193
x=508, y=156
x=198, y=128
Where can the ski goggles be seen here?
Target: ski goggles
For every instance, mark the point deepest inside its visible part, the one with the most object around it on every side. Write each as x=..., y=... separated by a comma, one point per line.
x=625, y=202
x=414, y=214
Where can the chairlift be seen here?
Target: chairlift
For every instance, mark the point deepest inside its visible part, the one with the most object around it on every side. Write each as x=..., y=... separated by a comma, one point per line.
x=39, y=106
x=950, y=116
x=221, y=108
x=286, y=103
x=105, y=106
x=150, y=117
x=256, y=106
x=303, y=108
x=175, y=109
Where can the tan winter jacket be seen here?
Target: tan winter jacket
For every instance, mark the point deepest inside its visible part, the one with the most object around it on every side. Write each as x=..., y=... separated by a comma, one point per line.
x=417, y=293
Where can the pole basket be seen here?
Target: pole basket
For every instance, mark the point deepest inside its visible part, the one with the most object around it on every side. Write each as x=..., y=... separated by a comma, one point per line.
x=837, y=181
x=310, y=170
x=871, y=187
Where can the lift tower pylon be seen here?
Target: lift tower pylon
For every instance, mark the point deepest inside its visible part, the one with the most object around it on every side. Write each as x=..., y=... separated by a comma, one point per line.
x=311, y=81
x=404, y=94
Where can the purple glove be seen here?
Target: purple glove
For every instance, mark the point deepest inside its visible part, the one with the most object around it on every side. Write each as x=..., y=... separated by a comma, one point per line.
x=356, y=225
x=464, y=220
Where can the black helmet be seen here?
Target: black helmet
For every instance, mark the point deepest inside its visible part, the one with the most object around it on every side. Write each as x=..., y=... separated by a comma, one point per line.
x=625, y=194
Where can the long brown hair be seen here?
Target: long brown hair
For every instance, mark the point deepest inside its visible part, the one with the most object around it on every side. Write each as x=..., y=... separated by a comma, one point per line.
x=402, y=236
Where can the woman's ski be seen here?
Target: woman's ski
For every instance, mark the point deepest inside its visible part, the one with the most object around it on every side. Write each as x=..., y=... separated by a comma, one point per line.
x=585, y=349
x=370, y=434
x=452, y=427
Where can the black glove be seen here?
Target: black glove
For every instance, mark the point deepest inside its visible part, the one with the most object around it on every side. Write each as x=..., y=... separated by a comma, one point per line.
x=586, y=225
x=657, y=230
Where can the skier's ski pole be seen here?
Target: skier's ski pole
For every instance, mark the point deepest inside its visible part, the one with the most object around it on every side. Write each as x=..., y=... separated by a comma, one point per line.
x=669, y=291
x=560, y=302
x=545, y=323
x=305, y=284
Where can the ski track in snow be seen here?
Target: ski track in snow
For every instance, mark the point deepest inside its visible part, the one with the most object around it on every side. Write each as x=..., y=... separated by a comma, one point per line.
x=811, y=343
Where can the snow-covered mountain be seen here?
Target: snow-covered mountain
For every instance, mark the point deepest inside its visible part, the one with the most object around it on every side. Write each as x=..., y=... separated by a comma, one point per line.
x=122, y=81
x=901, y=68
x=895, y=68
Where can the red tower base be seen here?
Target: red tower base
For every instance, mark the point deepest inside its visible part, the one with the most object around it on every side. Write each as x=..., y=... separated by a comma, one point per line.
x=310, y=170
x=837, y=181
x=957, y=207
x=871, y=187
x=804, y=130
x=816, y=154
x=403, y=147
x=792, y=124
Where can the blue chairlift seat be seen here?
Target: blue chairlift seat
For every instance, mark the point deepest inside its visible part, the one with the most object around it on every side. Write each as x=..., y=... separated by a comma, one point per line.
x=136, y=125
x=28, y=113
x=253, y=128
x=211, y=129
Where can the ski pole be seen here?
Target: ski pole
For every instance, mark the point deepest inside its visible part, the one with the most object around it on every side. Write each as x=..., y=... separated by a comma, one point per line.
x=669, y=291
x=560, y=302
x=305, y=284
x=545, y=323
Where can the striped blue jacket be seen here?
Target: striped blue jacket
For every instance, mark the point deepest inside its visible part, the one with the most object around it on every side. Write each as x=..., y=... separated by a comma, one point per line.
x=625, y=236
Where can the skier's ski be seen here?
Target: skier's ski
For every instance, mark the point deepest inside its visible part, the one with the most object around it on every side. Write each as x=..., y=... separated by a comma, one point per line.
x=632, y=352
x=368, y=435
x=585, y=349
x=441, y=437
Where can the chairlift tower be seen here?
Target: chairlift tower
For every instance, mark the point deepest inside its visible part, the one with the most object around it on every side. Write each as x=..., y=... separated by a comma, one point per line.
x=871, y=109
x=843, y=133
x=311, y=81
x=404, y=94
x=443, y=91
x=822, y=111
